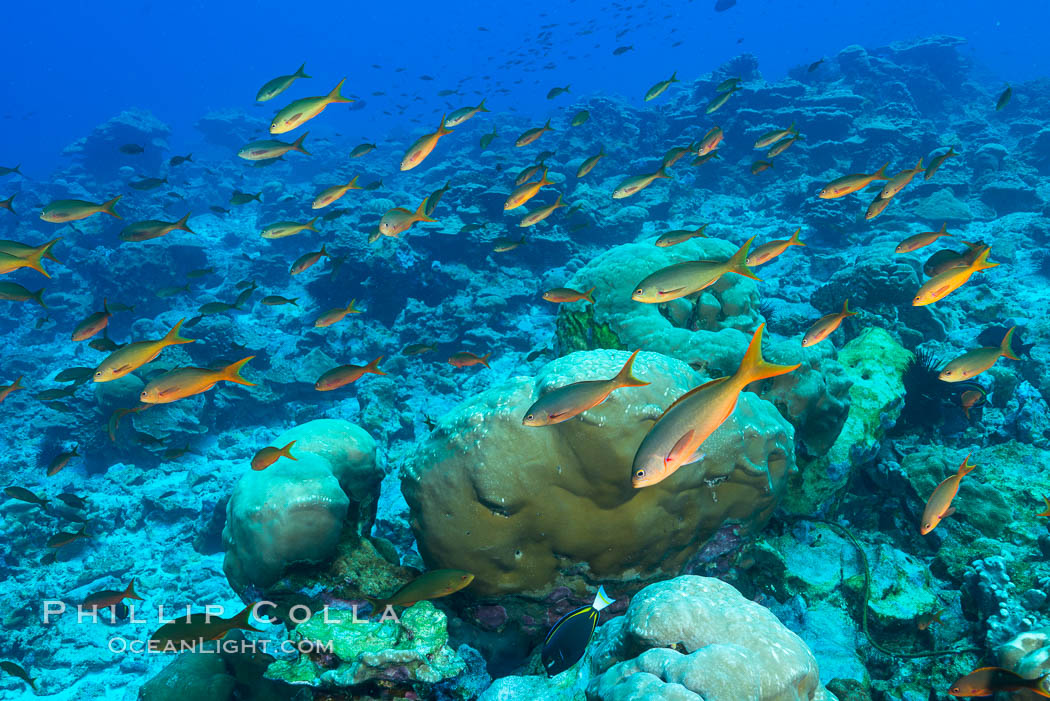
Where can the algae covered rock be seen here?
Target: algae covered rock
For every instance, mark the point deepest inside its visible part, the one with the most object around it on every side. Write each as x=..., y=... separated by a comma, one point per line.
x=530, y=509
x=197, y=676
x=411, y=649
x=295, y=511
x=699, y=638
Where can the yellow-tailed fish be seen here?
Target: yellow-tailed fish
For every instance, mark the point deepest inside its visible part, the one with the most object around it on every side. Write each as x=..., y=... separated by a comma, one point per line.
x=899, y=181
x=186, y=382
x=6, y=390
x=941, y=285
x=710, y=142
x=283, y=229
x=531, y=135
x=673, y=238
x=307, y=261
x=782, y=146
x=973, y=363
x=345, y=374
x=877, y=206
x=15, y=256
x=541, y=213
x=62, y=211
x=268, y=149
x=771, y=137
x=825, y=326
x=760, y=166
x=463, y=114
x=152, y=229
x=588, y=164
x=423, y=146
x=637, y=183
x=771, y=249
x=334, y=316
x=93, y=324
x=431, y=585
x=914, y=243
x=847, y=184
x=269, y=455
x=563, y=403
x=1004, y=98
x=195, y=629
x=719, y=101
x=700, y=160
x=134, y=355
x=658, y=89
x=278, y=85
x=937, y=161
x=13, y=292
x=525, y=192
x=330, y=194
x=689, y=277
x=939, y=506
x=399, y=220
x=728, y=84
x=678, y=435
x=565, y=295
x=678, y=153
x=304, y=109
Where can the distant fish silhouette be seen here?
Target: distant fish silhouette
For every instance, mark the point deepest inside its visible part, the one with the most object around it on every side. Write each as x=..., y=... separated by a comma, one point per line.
x=723, y=5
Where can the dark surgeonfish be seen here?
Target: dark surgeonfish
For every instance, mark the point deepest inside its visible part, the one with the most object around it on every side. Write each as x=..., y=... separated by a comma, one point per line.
x=568, y=637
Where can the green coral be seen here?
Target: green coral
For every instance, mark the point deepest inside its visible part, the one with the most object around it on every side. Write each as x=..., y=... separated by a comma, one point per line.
x=578, y=331
x=415, y=648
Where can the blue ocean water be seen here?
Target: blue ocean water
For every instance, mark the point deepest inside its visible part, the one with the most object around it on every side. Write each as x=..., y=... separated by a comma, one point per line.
x=237, y=389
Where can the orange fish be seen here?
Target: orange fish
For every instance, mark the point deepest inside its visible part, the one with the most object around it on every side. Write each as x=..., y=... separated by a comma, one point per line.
x=677, y=436
x=899, y=181
x=939, y=506
x=973, y=363
x=928, y=619
x=825, y=326
x=14, y=256
x=989, y=681
x=307, y=260
x=710, y=142
x=760, y=166
x=465, y=359
x=564, y=295
x=153, y=229
x=525, y=192
x=62, y=211
x=771, y=137
x=195, y=629
x=60, y=461
x=877, y=206
x=62, y=539
x=771, y=249
x=940, y=286
x=109, y=599
x=971, y=398
x=565, y=402
x=847, y=184
x=135, y=355
x=93, y=324
x=269, y=455
x=937, y=161
x=914, y=243
x=637, y=183
x=399, y=220
x=186, y=382
x=588, y=165
x=269, y=149
x=5, y=390
x=345, y=374
x=673, y=238
x=782, y=146
x=334, y=316
x=423, y=146
x=331, y=194
x=1046, y=512
x=531, y=135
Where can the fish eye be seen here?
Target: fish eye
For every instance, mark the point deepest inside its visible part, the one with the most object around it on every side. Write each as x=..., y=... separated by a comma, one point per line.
x=529, y=417
x=639, y=291
x=640, y=473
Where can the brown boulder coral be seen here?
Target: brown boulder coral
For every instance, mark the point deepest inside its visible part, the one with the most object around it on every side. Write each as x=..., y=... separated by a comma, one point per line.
x=531, y=509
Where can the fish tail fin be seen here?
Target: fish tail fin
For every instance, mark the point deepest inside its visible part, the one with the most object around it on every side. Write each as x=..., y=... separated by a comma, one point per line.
x=421, y=210
x=243, y=620
x=880, y=174
x=33, y=260
x=352, y=185
x=625, y=378
x=373, y=367
x=738, y=262
x=297, y=145
x=295, y=301
x=335, y=96
x=105, y=306
x=485, y=359
x=589, y=294
x=301, y=73
x=754, y=366
x=377, y=603
x=1006, y=347
x=846, y=311
x=130, y=592
x=324, y=251
x=173, y=338
x=442, y=129
x=982, y=262
x=547, y=126
x=351, y=309
x=966, y=468
x=559, y=203
x=17, y=384
x=481, y=106
x=952, y=152
x=108, y=206
x=47, y=249
x=310, y=224
x=38, y=297
x=232, y=373
x=944, y=229
x=662, y=172
x=258, y=196
x=794, y=240
x=919, y=166
x=181, y=224
x=543, y=178
x=286, y=451
x=793, y=129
